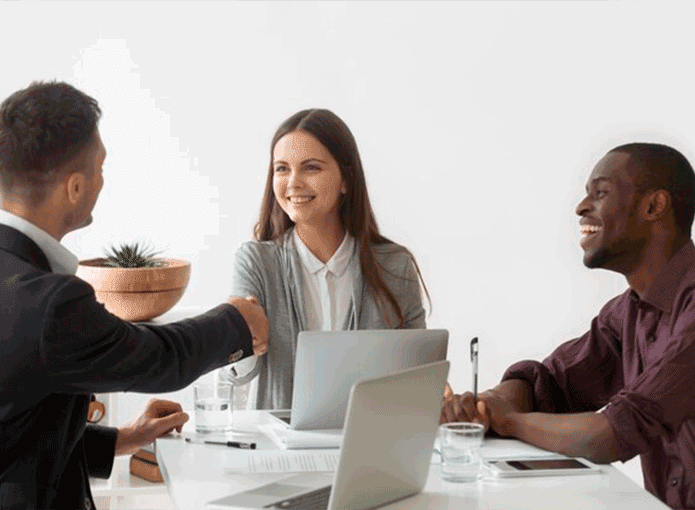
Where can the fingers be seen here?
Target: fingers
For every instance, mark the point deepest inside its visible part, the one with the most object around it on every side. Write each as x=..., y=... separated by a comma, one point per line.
x=447, y=413
x=260, y=347
x=170, y=422
x=467, y=406
x=448, y=392
x=483, y=415
x=157, y=408
x=255, y=319
x=463, y=408
x=451, y=410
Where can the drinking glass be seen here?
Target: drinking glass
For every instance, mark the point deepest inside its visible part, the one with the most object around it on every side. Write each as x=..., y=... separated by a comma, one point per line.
x=460, y=445
x=213, y=406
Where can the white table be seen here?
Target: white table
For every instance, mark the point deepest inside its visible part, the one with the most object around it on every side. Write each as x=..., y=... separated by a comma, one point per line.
x=193, y=474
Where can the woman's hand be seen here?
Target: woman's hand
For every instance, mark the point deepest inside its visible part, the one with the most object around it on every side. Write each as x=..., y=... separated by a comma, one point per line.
x=255, y=319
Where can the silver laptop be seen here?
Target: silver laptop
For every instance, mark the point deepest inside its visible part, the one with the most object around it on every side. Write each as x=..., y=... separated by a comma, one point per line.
x=328, y=363
x=390, y=429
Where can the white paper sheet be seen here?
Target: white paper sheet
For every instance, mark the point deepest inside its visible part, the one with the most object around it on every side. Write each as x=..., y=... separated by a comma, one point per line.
x=288, y=438
x=276, y=461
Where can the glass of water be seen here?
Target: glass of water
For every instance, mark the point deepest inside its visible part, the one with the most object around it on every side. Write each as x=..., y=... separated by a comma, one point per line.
x=213, y=406
x=460, y=445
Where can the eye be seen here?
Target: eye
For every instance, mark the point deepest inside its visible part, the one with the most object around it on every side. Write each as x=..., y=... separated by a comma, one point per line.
x=280, y=168
x=312, y=167
x=600, y=193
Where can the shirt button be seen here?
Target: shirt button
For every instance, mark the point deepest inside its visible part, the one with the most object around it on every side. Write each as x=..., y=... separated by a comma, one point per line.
x=87, y=504
x=673, y=482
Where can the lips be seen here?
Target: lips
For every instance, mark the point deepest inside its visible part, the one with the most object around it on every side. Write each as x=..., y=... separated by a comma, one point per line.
x=300, y=199
x=588, y=232
x=590, y=229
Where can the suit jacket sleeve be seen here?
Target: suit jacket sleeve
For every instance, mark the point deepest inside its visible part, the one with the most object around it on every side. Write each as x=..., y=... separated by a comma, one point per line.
x=100, y=449
x=84, y=348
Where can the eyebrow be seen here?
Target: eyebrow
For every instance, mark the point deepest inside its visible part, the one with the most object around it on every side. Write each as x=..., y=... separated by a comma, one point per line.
x=598, y=180
x=303, y=162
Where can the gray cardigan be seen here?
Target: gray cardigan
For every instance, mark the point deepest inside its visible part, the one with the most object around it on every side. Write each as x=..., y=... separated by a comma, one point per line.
x=271, y=271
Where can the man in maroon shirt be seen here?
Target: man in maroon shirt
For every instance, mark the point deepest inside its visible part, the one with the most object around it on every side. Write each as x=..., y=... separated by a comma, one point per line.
x=627, y=386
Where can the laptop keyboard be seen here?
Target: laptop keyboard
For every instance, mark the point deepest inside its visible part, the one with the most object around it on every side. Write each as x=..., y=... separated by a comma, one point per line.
x=315, y=500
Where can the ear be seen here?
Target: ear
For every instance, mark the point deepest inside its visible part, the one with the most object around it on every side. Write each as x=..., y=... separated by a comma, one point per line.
x=75, y=187
x=656, y=205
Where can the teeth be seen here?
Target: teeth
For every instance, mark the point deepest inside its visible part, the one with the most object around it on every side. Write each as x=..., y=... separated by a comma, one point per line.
x=589, y=229
x=300, y=200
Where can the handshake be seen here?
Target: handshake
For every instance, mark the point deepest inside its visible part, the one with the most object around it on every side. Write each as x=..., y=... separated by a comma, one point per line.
x=256, y=321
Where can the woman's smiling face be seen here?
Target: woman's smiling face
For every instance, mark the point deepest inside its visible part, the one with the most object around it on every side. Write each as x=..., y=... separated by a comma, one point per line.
x=306, y=179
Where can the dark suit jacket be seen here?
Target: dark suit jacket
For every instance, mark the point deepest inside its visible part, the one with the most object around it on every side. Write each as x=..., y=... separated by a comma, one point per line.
x=57, y=347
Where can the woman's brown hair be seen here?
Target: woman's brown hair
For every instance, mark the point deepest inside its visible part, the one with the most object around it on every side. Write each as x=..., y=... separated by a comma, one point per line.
x=355, y=211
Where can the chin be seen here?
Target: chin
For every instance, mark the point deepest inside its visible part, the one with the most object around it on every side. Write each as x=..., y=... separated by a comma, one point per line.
x=598, y=259
x=87, y=221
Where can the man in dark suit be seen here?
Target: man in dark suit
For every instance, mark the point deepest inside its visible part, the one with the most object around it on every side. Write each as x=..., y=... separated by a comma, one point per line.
x=58, y=346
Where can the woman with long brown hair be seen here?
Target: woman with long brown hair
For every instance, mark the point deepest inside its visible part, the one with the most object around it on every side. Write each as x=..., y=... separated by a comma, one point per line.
x=318, y=261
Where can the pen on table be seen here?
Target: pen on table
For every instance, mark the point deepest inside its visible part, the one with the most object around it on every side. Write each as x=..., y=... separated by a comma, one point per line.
x=474, y=360
x=231, y=444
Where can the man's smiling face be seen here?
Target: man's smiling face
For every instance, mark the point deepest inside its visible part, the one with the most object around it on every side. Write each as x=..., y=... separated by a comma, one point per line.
x=613, y=236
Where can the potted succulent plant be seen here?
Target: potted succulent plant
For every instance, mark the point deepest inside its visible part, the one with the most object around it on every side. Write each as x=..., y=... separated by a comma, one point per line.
x=133, y=283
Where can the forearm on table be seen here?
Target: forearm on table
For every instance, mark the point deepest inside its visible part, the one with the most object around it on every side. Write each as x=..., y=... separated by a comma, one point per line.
x=587, y=435
x=516, y=391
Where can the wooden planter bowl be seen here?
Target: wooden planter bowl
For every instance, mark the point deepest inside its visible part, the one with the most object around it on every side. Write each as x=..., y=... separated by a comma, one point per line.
x=137, y=293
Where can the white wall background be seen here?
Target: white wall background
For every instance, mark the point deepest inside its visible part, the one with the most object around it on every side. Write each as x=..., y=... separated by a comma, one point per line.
x=478, y=124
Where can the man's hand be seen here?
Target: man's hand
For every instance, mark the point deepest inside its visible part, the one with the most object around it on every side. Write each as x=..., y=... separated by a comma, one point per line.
x=255, y=319
x=462, y=408
x=491, y=405
x=498, y=410
x=158, y=419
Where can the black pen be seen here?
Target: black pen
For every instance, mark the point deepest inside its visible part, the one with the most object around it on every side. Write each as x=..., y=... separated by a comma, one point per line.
x=474, y=360
x=231, y=444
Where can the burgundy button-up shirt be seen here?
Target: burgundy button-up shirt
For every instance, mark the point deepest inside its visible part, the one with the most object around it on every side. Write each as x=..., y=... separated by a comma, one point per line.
x=637, y=360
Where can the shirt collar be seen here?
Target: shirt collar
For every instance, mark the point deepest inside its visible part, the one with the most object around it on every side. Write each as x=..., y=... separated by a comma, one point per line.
x=62, y=260
x=337, y=264
x=663, y=290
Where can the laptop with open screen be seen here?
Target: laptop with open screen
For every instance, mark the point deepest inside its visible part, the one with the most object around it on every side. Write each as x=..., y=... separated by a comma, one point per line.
x=390, y=429
x=328, y=363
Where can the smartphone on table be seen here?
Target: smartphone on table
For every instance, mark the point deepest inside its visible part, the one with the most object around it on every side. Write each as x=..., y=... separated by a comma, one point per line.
x=512, y=468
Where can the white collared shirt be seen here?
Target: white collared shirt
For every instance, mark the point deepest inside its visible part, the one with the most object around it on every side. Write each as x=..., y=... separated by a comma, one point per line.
x=62, y=260
x=327, y=287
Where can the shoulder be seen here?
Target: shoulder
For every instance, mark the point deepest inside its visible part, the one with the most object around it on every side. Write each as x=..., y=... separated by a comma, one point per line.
x=259, y=252
x=48, y=288
x=393, y=257
x=614, y=312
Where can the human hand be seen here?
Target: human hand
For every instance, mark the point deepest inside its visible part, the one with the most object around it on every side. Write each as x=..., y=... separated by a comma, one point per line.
x=256, y=321
x=463, y=408
x=159, y=418
x=448, y=392
x=499, y=411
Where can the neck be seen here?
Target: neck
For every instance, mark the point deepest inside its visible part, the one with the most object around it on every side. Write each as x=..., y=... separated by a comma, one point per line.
x=322, y=240
x=43, y=217
x=656, y=257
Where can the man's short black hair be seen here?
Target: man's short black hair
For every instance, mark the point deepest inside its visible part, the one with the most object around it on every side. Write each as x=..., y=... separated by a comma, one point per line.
x=43, y=127
x=663, y=167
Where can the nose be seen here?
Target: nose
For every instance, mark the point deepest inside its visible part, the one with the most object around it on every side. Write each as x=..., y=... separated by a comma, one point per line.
x=583, y=207
x=293, y=179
